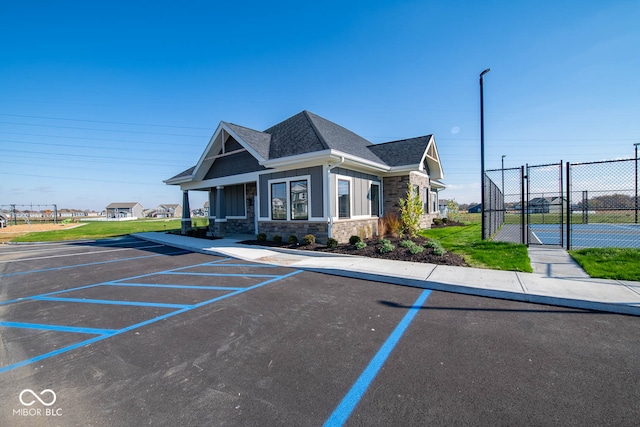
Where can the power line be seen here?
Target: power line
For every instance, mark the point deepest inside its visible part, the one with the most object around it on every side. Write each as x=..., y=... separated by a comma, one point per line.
x=95, y=139
x=102, y=121
x=103, y=130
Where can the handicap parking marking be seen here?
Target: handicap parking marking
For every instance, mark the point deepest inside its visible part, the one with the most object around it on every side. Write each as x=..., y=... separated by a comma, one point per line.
x=102, y=333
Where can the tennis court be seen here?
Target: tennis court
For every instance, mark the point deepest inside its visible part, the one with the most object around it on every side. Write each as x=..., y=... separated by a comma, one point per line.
x=598, y=235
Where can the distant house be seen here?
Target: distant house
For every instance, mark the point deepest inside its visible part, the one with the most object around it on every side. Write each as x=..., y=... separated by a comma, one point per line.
x=308, y=175
x=547, y=205
x=169, y=211
x=125, y=210
x=475, y=209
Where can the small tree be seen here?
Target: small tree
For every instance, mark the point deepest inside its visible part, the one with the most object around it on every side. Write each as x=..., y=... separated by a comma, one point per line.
x=453, y=211
x=411, y=211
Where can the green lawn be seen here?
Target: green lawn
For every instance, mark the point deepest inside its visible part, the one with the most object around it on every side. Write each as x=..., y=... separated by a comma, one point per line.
x=467, y=241
x=609, y=263
x=103, y=229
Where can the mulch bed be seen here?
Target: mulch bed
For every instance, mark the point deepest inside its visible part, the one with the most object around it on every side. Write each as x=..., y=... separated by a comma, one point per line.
x=372, y=251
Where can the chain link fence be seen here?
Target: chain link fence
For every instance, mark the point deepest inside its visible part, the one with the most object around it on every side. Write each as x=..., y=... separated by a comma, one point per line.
x=591, y=204
x=15, y=214
x=603, y=204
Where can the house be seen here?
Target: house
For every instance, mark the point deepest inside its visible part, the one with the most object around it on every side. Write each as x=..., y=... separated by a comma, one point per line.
x=308, y=175
x=475, y=209
x=125, y=210
x=169, y=211
x=547, y=205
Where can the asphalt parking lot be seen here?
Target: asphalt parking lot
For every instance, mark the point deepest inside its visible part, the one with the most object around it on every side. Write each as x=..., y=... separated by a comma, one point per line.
x=127, y=332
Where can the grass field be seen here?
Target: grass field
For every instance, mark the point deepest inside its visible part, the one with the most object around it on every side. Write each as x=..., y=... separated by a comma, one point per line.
x=467, y=241
x=609, y=263
x=103, y=229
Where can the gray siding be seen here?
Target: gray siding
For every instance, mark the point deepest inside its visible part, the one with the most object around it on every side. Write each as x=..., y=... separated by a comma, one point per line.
x=360, y=186
x=234, y=200
x=316, y=188
x=233, y=165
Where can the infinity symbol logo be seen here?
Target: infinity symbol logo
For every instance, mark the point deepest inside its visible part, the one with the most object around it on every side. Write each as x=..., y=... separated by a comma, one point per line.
x=26, y=390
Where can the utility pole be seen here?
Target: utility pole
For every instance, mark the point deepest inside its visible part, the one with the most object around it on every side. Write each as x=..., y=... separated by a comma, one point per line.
x=483, y=201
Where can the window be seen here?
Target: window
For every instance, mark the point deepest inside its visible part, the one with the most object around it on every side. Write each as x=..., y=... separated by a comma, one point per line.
x=426, y=201
x=279, y=200
x=290, y=200
x=434, y=201
x=344, y=199
x=299, y=205
x=375, y=200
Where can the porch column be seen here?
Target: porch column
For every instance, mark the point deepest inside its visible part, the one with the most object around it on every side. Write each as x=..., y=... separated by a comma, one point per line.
x=186, y=213
x=221, y=213
x=212, y=212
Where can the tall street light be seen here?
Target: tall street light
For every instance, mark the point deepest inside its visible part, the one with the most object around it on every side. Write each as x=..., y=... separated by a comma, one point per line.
x=482, y=201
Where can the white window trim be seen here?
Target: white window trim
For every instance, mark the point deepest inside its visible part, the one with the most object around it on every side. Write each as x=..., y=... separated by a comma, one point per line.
x=434, y=202
x=377, y=184
x=287, y=182
x=337, y=198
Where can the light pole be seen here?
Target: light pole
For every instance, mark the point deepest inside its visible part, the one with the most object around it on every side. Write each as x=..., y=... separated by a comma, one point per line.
x=482, y=201
x=503, y=156
x=636, y=198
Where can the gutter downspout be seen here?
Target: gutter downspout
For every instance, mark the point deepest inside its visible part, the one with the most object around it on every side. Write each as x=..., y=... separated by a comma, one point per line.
x=329, y=231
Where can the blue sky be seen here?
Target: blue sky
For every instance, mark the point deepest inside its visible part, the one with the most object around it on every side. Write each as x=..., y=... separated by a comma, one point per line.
x=102, y=101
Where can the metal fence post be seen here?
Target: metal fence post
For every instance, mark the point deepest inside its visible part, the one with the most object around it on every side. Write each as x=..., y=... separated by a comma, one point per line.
x=568, y=205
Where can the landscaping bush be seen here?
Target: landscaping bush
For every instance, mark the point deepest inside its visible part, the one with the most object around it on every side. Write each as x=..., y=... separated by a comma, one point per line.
x=309, y=239
x=361, y=245
x=411, y=210
x=415, y=249
x=262, y=237
x=277, y=239
x=332, y=243
x=354, y=239
x=292, y=240
x=386, y=247
x=406, y=243
x=391, y=224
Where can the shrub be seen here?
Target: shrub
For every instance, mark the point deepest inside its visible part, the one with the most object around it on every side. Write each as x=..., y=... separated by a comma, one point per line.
x=332, y=243
x=385, y=241
x=361, y=245
x=309, y=239
x=277, y=239
x=262, y=237
x=453, y=210
x=292, y=240
x=416, y=249
x=391, y=224
x=382, y=227
x=439, y=251
x=411, y=210
x=354, y=239
x=407, y=243
x=437, y=221
x=386, y=247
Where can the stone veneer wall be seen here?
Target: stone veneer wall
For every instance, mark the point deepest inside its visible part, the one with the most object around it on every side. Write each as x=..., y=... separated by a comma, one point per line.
x=364, y=228
x=297, y=228
x=395, y=188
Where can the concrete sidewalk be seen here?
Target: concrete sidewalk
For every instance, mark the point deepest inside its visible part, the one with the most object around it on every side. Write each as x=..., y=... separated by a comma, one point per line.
x=556, y=280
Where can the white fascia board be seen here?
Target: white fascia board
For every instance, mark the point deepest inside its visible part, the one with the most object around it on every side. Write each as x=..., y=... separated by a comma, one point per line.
x=435, y=167
x=323, y=156
x=298, y=160
x=404, y=170
x=222, y=181
x=198, y=171
x=438, y=184
x=178, y=181
x=248, y=147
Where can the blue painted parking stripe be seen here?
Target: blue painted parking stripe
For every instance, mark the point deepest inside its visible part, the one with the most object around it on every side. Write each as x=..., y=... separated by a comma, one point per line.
x=19, y=273
x=219, y=274
x=149, y=285
x=113, y=302
x=351, y=399
x=58, y=328
x=137, y=325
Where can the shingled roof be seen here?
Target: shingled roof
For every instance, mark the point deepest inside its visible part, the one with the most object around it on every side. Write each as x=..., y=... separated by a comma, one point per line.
x=306, y=132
